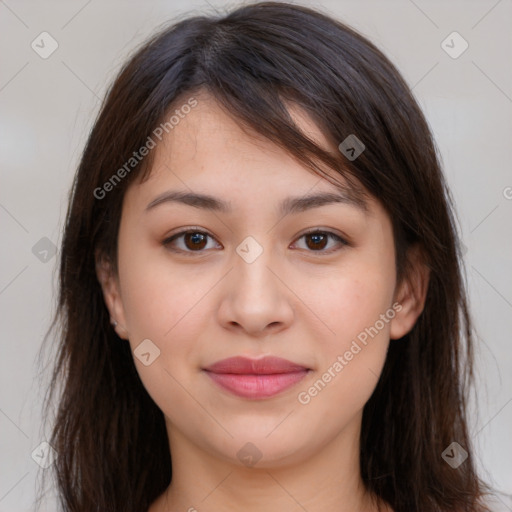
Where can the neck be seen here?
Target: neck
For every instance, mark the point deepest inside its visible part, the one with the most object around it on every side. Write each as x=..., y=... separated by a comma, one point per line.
x=328, y=480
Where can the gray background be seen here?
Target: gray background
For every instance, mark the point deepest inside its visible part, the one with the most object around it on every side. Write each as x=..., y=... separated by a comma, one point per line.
x=48, y=106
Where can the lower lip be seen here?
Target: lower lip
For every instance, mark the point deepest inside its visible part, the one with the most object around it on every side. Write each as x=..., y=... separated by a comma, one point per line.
x=257, y=386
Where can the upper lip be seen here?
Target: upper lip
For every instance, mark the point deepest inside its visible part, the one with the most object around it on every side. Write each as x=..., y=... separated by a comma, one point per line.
x=264, y=366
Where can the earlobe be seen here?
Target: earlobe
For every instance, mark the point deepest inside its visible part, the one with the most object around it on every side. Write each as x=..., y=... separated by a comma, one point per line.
x=411, y=294
x=111, y=294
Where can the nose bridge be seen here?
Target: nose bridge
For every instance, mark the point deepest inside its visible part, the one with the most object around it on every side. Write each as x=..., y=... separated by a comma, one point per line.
x=253, y=262
x=255, y=297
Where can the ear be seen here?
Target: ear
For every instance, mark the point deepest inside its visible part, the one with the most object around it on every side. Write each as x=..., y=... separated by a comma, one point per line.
x=410, y=294
x=111, y=293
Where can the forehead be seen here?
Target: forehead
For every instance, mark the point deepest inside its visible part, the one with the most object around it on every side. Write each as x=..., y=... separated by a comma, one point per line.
x=208, y=151
x=209, y=129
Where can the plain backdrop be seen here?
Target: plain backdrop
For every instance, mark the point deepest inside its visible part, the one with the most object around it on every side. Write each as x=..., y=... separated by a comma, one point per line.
x=48, y=106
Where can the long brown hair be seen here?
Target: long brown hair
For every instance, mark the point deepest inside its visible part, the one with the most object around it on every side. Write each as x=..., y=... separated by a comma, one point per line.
x=110, y=436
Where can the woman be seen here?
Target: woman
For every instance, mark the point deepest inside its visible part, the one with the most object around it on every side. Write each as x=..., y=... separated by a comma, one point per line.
x=261, y=298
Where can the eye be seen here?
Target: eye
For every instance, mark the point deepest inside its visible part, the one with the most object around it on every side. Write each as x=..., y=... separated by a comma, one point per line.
x=316, y=240
x=193, y=240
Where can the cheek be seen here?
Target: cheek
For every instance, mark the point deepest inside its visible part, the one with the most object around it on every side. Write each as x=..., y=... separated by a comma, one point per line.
x=168, y=308
x=356, y=305
x=159, y=298
x=351, y=300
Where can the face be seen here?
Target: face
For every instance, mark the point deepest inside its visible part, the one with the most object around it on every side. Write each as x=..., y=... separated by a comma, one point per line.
x=248, y=280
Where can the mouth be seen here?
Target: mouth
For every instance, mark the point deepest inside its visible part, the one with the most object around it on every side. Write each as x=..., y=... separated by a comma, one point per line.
x=256, y=378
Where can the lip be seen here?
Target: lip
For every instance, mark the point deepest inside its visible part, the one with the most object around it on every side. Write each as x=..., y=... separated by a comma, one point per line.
x=256, y=378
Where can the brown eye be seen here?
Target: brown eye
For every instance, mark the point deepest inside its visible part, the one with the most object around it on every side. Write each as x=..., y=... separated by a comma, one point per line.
x=317, y=241
x=195, y=240
x=192, y=241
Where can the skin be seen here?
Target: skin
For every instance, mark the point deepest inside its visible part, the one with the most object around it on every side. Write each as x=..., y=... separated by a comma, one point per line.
x=294, y=301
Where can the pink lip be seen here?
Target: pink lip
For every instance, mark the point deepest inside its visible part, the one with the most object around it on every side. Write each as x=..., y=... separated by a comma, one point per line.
x=256, y=378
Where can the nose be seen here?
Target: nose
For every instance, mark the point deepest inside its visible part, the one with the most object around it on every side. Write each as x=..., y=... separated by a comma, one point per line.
x=256, y=298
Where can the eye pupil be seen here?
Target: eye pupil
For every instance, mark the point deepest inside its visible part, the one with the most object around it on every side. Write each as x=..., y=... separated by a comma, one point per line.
x=196, y=238
x=316, y=237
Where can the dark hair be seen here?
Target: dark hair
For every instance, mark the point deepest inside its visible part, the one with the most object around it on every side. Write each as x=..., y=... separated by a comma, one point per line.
x=256, y=60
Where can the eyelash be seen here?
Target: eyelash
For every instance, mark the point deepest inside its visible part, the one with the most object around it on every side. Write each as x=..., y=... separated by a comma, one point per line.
x=167, y=242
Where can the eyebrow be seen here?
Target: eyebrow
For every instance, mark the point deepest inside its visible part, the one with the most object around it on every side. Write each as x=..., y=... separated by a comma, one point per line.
x=288, y=206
